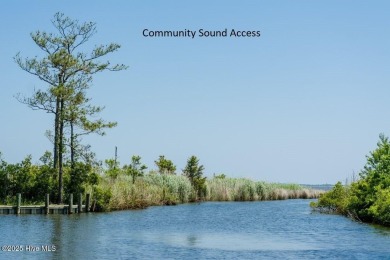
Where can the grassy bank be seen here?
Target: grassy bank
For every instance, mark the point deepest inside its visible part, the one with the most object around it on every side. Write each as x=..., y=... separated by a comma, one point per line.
x=156, y=189
x=129, y=187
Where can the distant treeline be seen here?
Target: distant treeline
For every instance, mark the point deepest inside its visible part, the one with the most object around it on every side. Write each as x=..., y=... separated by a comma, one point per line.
x=324, y=187
x=367, y=199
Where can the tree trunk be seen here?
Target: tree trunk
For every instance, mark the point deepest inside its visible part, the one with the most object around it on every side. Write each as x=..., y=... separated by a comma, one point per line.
x=72, y=145
x=56, y=132
x=72, y=151
x=61, y=152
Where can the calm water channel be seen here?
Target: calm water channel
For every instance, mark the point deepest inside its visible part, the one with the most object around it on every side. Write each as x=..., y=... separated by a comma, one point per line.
x=215, y=230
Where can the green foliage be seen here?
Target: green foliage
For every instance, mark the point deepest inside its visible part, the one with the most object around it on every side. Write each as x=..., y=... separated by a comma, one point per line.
x=67, y=70
x=44, y=182
x=113, y=169
x=135, y=169
x=220, y=176
x=369, y=195
x=165, y=166
x=367, y=199
x=335, y=200
x=3, y=179
x=194, y=172
x=32, y=181
x=101, y=197
x=79, y=177
x=47, y=158
x=380, y=210
x=128, y=187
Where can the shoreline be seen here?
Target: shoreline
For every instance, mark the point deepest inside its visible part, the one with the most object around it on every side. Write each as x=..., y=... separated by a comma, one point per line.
x=81, y=208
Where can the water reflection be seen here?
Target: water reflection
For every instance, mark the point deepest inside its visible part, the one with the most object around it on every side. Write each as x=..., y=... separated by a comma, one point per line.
x=226, y=241
x=56, y=237
x=384, y=231
x=191, y=239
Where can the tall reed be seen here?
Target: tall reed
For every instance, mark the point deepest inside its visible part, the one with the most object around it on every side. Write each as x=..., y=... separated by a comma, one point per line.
x=229, y=189
x=156, y=189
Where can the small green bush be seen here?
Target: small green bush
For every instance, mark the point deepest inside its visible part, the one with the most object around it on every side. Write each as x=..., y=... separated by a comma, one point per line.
x=101, y=199
x=335, y=200
x=380, y=210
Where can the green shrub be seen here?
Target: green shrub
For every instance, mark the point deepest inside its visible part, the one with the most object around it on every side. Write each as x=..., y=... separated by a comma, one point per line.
x=367, y=199
x=335, y=200
x=194, y=172
x=380, y=210
x=165, y=166
x=101, y=199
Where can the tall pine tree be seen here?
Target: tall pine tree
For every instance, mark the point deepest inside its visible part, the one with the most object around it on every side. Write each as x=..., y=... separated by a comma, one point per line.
x=67, y=70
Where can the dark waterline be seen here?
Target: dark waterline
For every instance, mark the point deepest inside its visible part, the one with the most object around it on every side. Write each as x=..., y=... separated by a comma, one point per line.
x=217, y=230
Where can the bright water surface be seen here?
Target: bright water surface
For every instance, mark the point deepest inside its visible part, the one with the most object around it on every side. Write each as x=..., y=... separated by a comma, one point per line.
x=214, y=230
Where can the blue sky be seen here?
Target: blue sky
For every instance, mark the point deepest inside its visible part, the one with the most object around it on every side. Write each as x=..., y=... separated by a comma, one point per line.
x=303, y=103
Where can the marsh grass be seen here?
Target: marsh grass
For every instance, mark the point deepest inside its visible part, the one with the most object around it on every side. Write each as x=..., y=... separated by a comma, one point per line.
x=149, y=190
x=155, y=189
x=230, y=189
